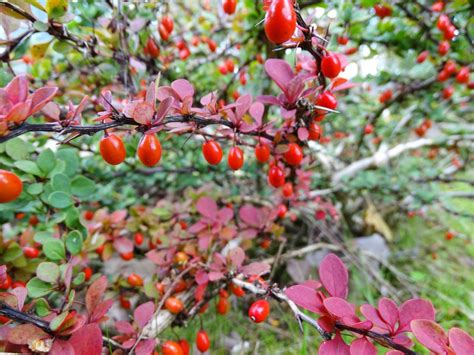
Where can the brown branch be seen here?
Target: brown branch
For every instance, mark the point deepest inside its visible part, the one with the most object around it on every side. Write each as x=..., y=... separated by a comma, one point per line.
x=21, y=317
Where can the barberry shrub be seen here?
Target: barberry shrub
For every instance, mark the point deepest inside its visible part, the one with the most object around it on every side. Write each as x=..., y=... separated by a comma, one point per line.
x=120, y=218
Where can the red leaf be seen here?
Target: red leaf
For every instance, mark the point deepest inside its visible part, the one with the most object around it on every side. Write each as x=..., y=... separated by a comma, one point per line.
x=143, y=313
x=388, y=311
x=201, y=277
x=334, y=276
x=87, y=340
x=123, y=245
x=94, y=294
x=303, y=134
x=118, y=216
x=313, y=284
x=339, y=307
x=415, y=309
x=3, y=273
x=461, y=342
x=41, y=97
x=145, y=347
x=143, y=113
x=256, y=268
x=249, y=215
x=100, y=310
x=237, y=256
x=17, y=89
x=199, y=292
x=363, y=347
x=124, y=327
x=335, y=346
x=207, y=207
x=20, y=293
x=304, y=297
x=19, y=112
x=62, y=347
x=430, y=334
x=25, y=334
x=371, y=313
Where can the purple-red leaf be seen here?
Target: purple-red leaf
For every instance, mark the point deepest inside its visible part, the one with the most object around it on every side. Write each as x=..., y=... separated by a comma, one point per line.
x=87, y=340
x=304, y=297
x=362, y=346
x=124, y=327
x=19, y=112
x=94, y=293
x=339, y=307
x=415, y=309
x=335, y=346
x=145, y=347
x=100, y=310
x=430, y=334
x=163, y=108
x=256, y=268
x=237, y=256
x=461, y=342
x=183, y=88
x=17, y=89
x=143, y=313
x=41, y=97
x=25, y=334
x=143, y=113
x=334, y=276
x=62, y=347
x=280, y=72
x=207, y=207
x=388, y=311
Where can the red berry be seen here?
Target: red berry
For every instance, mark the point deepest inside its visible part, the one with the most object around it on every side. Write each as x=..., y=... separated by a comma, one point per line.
x=212, y=152
x=235, y=159
x=124, y=302
x=342, y=40
x=422, y=56
x=230, y=65
x=280, y=21
x=174, y=305
x=443, y=22
x=281, y=211
x=450, y=67
x=18, y=284
x=463, y=75
x=443, y=75
x=276, y=176
x=320, y=215
x=202, y=341
x=330, y=65
x=448, y=92
x=314, y=131
x=211, y=45
x=287, y=190
x=135, y=280
x=171, y=348
x=368, y=129
x=184, y=346
x=385, y=96
x=33, y=220
x=127, y=256
x=112, y=149
x=164, y=34
x=152, y=48
x=438, y=6
x=87, y=273
x=382, y=11
x=449, y=235
x=242, y=78
x=259, y=311
x=262, y=152
x=223, y=68
x=327, y=99
x=168, y=23
x=149, y=150
x=88, y=215
x=443, y=47
x=294, y=155
x=10, y=186
x=223, y=305
x=449, y=33
x=5, y=285
x=31, y=252
x=229, y=6
x=236, y=290
x=138, y=237
x=184, y=53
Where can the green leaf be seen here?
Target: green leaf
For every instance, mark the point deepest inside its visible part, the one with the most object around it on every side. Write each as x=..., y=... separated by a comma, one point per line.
x=48, y=272
x=37, y=288
x=46, y=161
x=62, y=47
x=61, y=182
x=40, y=26
x=74, y=242
x=79, y=279
x=82, y=186
x=35, y=189
x=71, y=159
x=28, y=167
x=60, y=199
x=16, y=149
x=57, y=321
x=13, y=252
x=56, y=8
x=54, y=249
x=42, y=307
x=42, y=237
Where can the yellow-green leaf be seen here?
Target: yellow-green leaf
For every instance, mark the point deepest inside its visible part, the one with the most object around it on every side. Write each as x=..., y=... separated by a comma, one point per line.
x=56, y=8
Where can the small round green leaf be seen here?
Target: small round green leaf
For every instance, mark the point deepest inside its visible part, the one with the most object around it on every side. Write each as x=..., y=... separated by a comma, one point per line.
x=54, y=249
x=48, y=272
x=60, y=199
